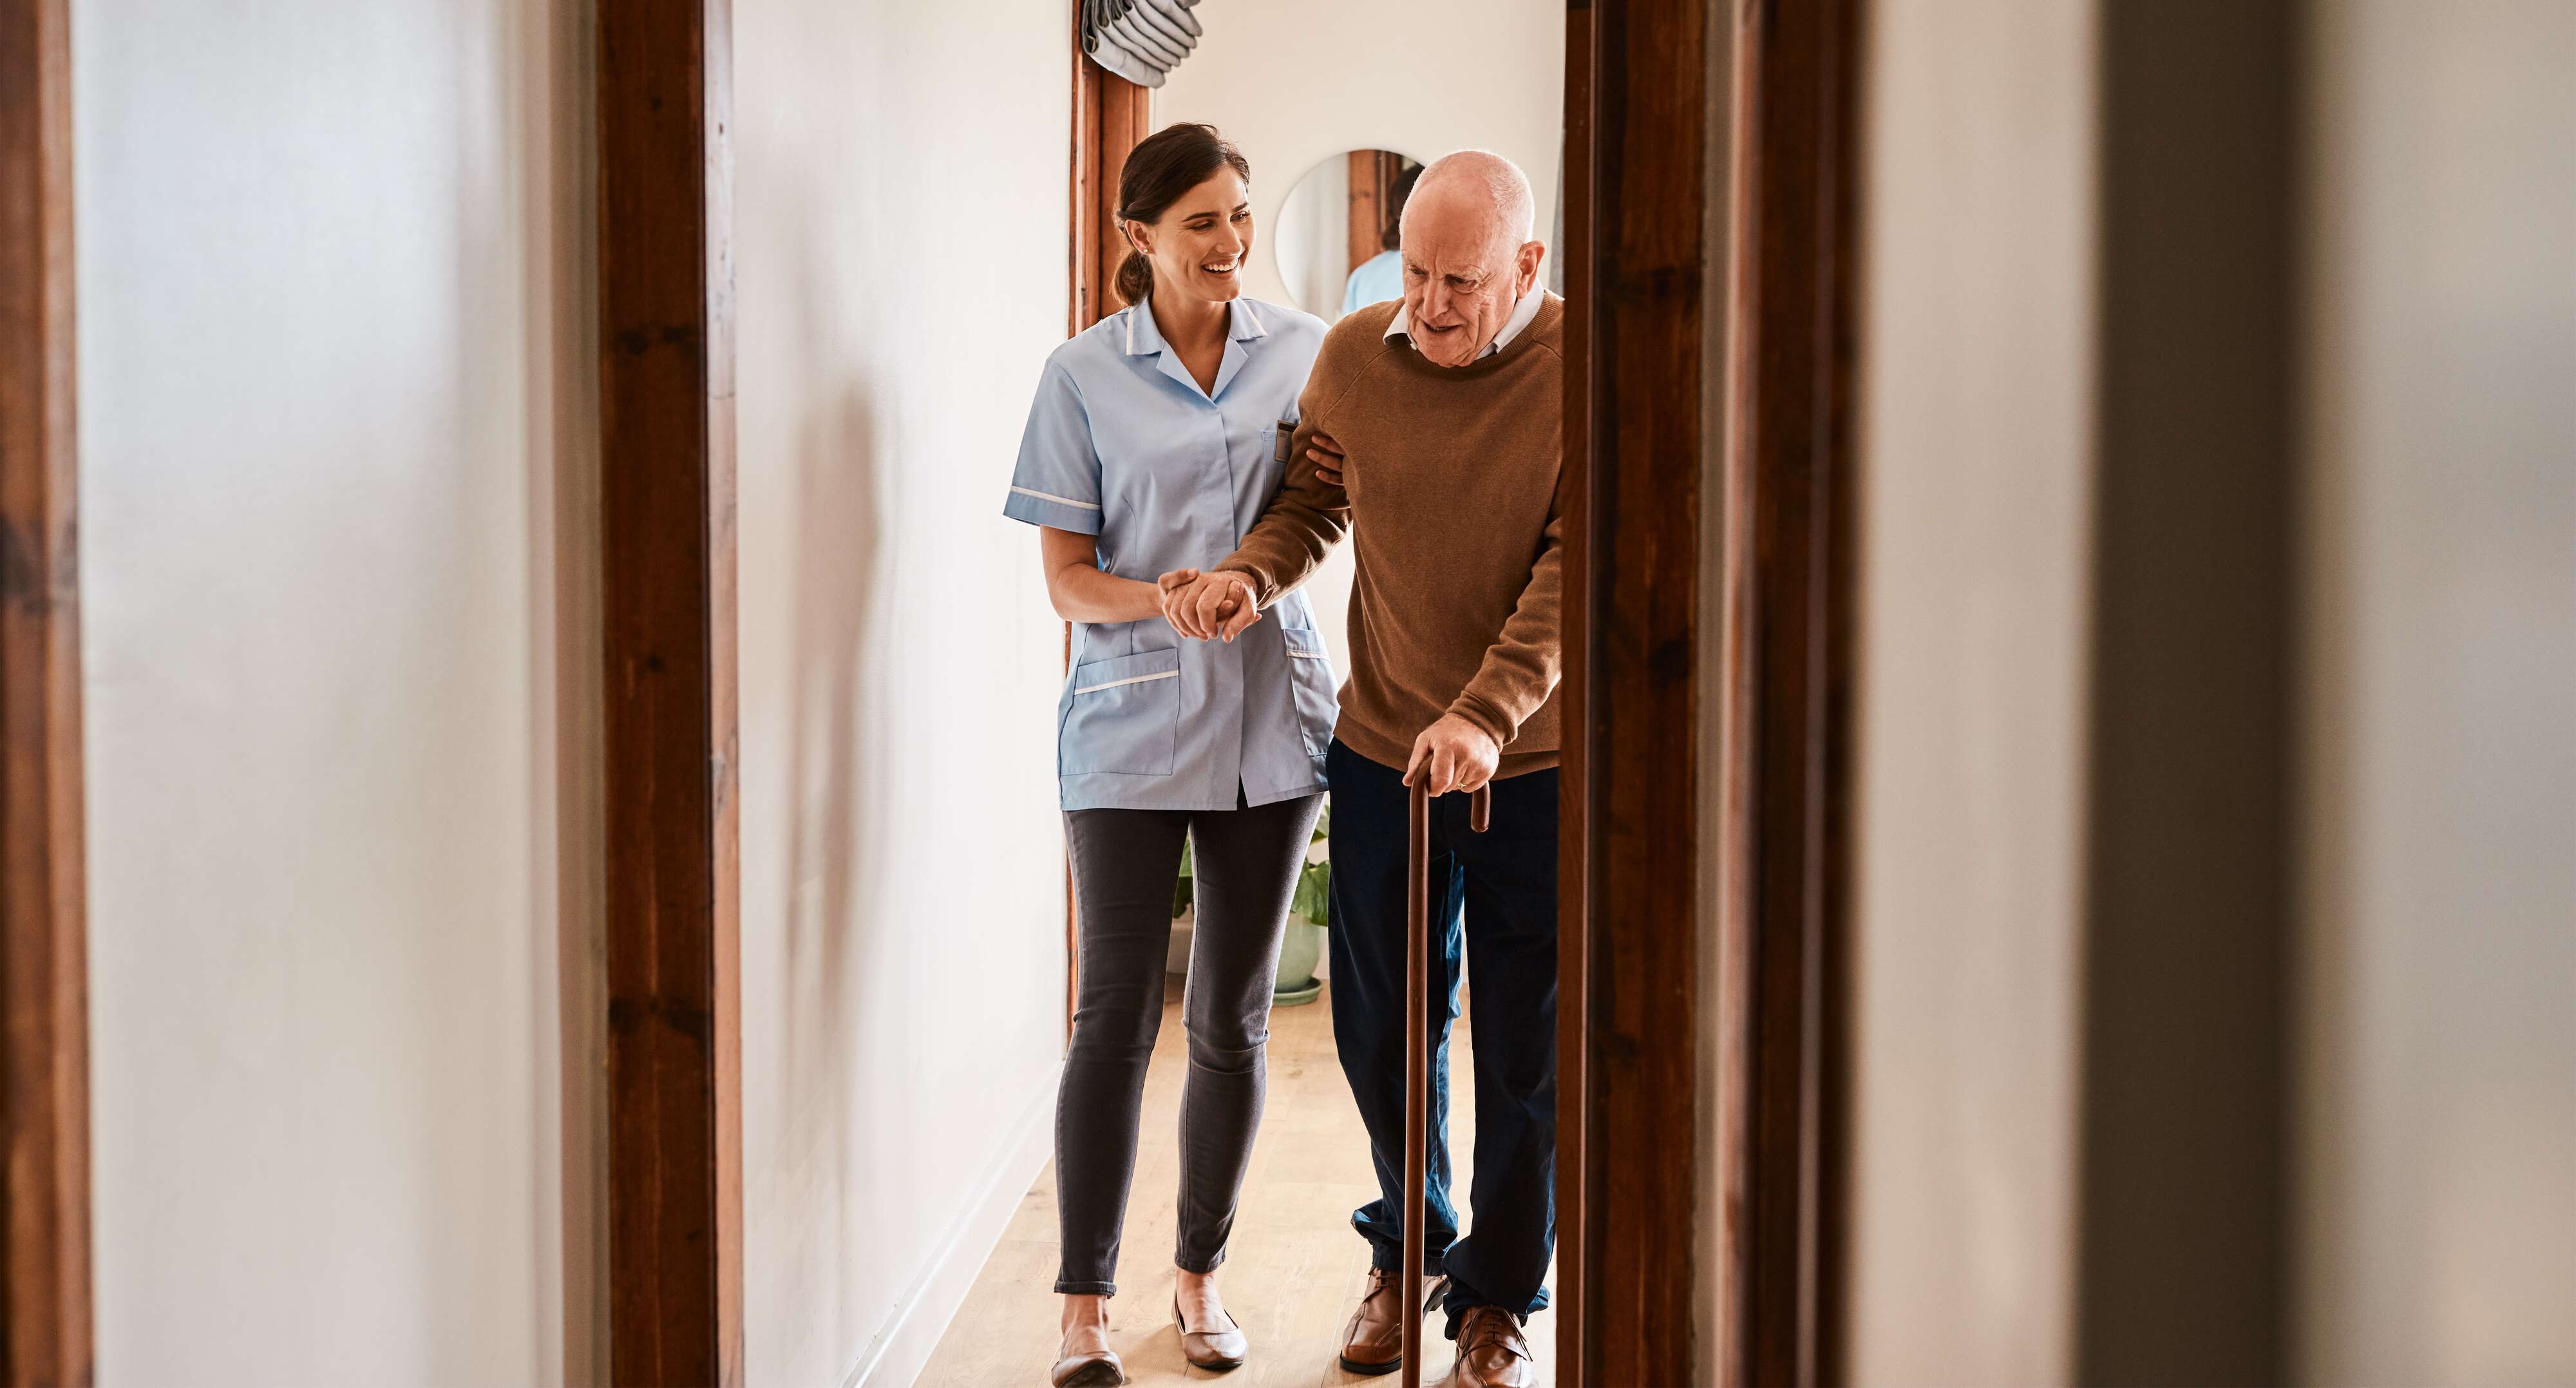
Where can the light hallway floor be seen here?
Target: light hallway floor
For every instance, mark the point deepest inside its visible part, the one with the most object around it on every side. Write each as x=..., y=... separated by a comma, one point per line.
x=1295, y=1267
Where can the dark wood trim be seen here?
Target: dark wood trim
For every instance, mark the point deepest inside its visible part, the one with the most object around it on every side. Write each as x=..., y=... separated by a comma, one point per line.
x=45, y=1318
x=1082, y=270
x=1122, y=121
x=2185, y=1252
x=1083, y=217
x=1577, y=807
x=1638, y=270
x=1110, y=114
x=1789, y=605
x=667, y=540
x=1082, y=299
x=1370, y=176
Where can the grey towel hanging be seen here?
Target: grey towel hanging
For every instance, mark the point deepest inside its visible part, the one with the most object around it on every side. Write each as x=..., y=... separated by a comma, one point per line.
x=1134, y=35
x=1111, y=54
x=1136, y=38
x=1148, y=20
x=1140, y=40
x=1175, y=13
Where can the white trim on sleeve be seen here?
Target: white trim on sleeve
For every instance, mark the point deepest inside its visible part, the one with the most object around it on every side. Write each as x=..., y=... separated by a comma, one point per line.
x=1061, y=500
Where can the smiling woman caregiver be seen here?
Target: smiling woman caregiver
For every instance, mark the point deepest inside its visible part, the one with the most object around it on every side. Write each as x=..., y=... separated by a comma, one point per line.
x=1156, y=440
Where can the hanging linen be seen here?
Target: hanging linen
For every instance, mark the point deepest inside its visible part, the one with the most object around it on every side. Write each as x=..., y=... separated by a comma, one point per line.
x=1140, y=40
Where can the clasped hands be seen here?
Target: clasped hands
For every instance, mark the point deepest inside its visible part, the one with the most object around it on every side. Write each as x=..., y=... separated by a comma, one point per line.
x=1213, y=606
x=1219, y=604
x=1453, y=754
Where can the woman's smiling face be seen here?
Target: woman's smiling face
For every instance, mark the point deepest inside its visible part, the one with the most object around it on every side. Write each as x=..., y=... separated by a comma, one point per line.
x=1199, y=245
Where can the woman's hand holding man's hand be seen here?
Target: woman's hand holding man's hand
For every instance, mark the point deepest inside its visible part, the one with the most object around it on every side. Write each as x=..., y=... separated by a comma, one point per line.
x=1325, y=452
x=1210, y=606
x=1220, y=605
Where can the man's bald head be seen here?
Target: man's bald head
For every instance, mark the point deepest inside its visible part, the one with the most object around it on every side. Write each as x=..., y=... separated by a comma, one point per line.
x=1480, y=182
x=1469, y=253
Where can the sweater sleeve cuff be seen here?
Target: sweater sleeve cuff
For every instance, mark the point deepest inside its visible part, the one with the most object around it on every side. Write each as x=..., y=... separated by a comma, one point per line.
x=1487, y=717
x=1264, y=592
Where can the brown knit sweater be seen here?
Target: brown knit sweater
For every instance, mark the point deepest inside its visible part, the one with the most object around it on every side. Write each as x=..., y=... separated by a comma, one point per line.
x=1452, y=498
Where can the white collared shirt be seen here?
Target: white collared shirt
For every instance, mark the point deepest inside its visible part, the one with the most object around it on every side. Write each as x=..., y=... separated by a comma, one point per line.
x=1523, y=314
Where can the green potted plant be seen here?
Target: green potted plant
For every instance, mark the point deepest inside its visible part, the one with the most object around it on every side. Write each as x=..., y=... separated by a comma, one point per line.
x=1303, y=947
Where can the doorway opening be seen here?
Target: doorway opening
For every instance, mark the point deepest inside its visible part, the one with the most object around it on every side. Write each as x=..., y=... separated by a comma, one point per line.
x=1702, y=165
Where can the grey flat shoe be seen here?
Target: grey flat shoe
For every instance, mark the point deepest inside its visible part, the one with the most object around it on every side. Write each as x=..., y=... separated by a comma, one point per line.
x=1216, y=1350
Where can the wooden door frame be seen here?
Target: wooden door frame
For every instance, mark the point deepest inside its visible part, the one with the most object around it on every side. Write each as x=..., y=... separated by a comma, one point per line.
x=673, y=1033
x=672, y=859
x=1643, y=267
x=1638, y=426
x=45, y=1296
x=1785, y=833
x=1110, y=116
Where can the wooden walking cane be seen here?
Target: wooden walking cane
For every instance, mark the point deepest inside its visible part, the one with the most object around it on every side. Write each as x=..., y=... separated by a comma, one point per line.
x=1417, y=1046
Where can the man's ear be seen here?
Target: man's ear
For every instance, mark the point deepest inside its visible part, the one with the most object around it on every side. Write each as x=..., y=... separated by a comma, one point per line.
x=1532, y=252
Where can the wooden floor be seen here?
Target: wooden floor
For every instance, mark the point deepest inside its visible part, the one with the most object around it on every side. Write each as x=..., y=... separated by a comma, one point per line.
x=1295, y=1268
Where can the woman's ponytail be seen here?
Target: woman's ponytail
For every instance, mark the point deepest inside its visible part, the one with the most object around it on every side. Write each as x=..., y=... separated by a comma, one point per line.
x=1135, y=277
x=1160, y=171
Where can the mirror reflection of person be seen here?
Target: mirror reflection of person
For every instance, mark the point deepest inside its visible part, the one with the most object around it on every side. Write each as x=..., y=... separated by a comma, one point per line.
x=1381, y=276
x=1156, y=438
x=1436, y=422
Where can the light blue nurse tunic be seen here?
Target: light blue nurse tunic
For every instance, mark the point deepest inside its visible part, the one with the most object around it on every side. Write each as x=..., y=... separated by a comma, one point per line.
x=1122, y=444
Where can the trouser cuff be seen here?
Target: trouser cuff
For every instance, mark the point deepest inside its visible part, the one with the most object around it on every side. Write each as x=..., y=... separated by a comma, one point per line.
x=1392, y=1260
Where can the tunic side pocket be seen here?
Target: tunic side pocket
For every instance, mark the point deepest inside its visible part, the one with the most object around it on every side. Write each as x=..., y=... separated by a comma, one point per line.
x=1310, y=673
x=1122, y=716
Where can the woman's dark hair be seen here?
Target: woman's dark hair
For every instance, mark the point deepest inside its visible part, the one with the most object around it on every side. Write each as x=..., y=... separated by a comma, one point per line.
x=1160, y=170
x=1390, y=237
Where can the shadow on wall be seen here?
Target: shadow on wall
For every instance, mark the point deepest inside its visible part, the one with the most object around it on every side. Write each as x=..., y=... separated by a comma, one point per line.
x=837, y=735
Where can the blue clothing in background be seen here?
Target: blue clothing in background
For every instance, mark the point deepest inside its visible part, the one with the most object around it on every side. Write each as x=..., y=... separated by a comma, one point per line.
x=1122, y=444
x=1379, y=278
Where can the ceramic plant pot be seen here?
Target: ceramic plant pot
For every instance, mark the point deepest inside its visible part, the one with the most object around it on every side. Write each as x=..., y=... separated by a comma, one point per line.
x=1299, y=951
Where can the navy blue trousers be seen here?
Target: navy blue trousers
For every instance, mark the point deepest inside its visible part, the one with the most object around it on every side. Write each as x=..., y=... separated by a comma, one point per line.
x=1493, y=900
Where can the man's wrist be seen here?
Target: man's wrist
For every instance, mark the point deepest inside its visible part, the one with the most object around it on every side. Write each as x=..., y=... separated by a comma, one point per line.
x=1469, y=710
x=1251, y=584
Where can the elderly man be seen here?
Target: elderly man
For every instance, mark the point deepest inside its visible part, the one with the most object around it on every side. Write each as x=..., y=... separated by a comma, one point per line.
x=1434, y=421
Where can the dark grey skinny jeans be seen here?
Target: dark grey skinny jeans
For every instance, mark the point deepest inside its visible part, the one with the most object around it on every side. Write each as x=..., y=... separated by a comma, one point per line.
x=1244, y=866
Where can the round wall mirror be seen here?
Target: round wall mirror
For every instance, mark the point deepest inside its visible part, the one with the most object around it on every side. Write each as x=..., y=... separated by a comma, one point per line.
x=1336, y=231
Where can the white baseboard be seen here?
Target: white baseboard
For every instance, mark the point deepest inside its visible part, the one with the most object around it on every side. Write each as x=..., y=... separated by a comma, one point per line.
x=902, y=1347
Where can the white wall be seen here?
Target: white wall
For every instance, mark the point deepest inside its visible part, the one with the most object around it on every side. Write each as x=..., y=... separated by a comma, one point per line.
x=1977, y=405
x=318, y=416
x=900, y=246
x=2439, y=1088
x=1295, y=84
x=1310, y=238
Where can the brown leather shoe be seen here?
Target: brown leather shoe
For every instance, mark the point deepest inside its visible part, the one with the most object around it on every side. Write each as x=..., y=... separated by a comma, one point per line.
x=1100, y=1369
x=1492, y=1352
x=1217, y=1350
x=1373, y=1342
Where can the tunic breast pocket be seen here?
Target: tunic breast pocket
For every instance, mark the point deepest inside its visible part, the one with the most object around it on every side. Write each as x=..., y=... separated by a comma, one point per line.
x=1310, y=673
x=1121, y=715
